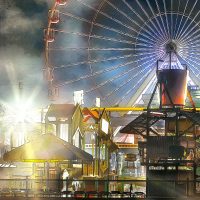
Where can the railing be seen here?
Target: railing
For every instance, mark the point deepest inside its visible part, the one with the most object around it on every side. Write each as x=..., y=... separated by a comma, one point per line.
x=156, y=189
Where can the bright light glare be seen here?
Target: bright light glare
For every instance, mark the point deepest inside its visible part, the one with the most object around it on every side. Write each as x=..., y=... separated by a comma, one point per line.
x=20, y=119
x=20, y=111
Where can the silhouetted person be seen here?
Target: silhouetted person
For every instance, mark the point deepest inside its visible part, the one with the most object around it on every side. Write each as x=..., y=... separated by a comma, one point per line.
x=191, y=155
x=65, y=176
x=58, y=177
x=131, y=189
x=76, y=185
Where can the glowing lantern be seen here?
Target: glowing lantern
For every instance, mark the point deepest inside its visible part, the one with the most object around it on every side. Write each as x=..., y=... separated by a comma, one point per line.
x=49, y=35
x=61, y=2
x=54, y=16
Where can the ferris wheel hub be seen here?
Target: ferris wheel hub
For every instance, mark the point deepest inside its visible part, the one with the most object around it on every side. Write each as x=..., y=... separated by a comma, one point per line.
x=171, y=47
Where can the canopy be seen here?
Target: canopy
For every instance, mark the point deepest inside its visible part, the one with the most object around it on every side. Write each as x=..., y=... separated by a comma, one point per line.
x=48, y=148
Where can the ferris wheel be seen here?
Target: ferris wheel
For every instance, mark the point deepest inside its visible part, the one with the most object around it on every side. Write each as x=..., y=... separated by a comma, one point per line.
x=109, y=48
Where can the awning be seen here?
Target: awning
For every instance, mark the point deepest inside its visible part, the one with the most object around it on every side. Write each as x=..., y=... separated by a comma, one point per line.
x=48, y=148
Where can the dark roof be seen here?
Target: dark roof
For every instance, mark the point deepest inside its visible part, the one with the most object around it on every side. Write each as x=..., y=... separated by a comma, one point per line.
x=61, y=110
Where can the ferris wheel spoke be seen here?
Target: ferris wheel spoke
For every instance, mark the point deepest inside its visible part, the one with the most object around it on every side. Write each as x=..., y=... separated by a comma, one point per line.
x=194, y=49
x=138, y=15
x=148, y=37
x=111, y=39
x=86, y=48
x=192, y=55
x=131, y=8
x=155, y=17
x=143, y=50
x=110, y=17
x=121, y=86
x=147, y=55
x=193, y=67
x=153, y=31
x=145, y=46
x=144, y=57
x=167, y=23
x=99, y=25
x=192, y=70
x=190, y=36
x=181, y=19
x=68, y=14
x=94, y=36
x=91, y=49
x=160, y=54
x=171, y=19
x=184, y=42
x=71, y=32
x=130, y=90
x=191, y=48
x=101, y=72
x=191, y=63
x=148, y=17
x=119, y=22
x=95, y=61
x=111, y=79
x=110, y=28
x=122, y=13
x=194, y=52
x=193, y=40
x=131, y=19
x=185, y=55
x=96, y=73
x=187, y=18
x=112, y=49
x=67, y=48
x=164, y=28
x=192, y=28
x=137, y=74
x=177, y=14
x=151, y=85
x=194, y=64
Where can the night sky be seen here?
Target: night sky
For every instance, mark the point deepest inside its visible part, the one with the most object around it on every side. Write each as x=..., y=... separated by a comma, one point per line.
x=22, y=24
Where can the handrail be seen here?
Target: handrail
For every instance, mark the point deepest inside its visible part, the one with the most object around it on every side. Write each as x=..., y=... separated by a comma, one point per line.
x=53, y=187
